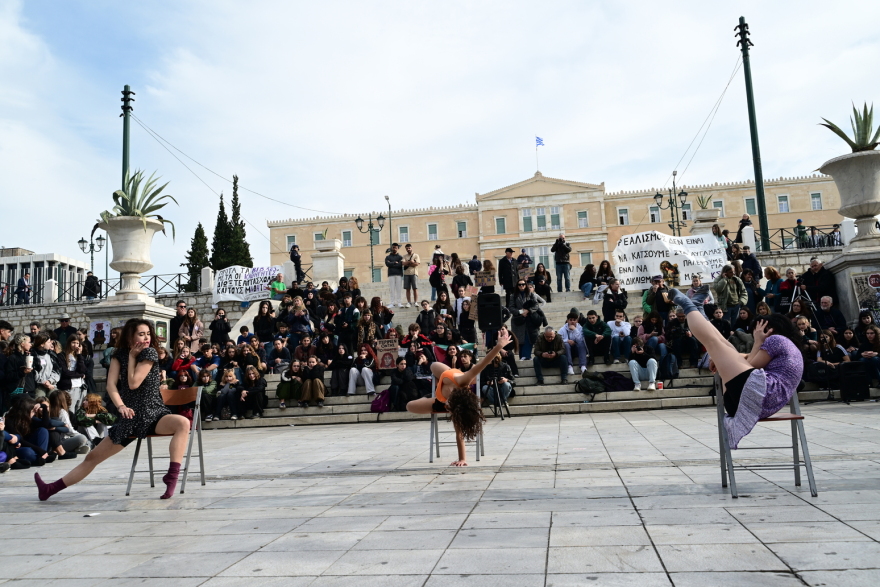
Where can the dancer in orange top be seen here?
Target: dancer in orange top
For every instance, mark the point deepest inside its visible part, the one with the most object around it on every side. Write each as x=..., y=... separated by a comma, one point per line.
x=455, y=397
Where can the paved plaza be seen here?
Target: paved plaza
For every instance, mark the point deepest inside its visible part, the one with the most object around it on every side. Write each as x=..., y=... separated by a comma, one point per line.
x=588, y=499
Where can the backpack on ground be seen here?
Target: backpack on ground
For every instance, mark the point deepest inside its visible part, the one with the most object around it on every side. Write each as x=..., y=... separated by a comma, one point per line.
x=382, y=403
x=703, y=363
x=615, y=381
x=590, y=383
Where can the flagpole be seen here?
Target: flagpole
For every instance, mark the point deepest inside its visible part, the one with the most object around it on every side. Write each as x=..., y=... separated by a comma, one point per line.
x=537, y=167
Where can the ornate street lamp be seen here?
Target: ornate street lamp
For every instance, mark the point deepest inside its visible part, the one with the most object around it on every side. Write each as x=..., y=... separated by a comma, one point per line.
x=91, y=247
x=675, y=203
x=359, y=222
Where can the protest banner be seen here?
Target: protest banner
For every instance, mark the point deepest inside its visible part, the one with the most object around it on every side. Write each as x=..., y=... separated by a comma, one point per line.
x=637, y=257
x=526, y=273
x=867, y=290
x=386, y=353
x=484, y=278
x=243, y=284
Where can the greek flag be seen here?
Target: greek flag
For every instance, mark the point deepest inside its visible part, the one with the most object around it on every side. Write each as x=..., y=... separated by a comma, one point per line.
x=539, y=142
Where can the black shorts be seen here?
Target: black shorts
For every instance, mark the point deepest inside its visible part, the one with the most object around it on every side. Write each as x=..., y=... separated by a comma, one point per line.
x=733, y=391
x=438, y=406
x=150, y=432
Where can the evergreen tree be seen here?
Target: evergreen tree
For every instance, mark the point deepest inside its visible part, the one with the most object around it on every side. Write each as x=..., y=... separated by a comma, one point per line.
x=196, y=259
x=220, y=246
x=240, y=250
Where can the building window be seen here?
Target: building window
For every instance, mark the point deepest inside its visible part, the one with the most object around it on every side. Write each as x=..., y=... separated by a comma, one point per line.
x=751, y=206
x=374, y=237
x=291, y=240
x=377, y=275
x=586, y=259
x=319, y=236
x=583, y=219
x=720, y=205
x=654, y=213
x=527, y=220
x=403, y=234
x=782, y=202
x=432, y=232
x=541, y=218
x=686, y=212
x=462, y=229
x=500, y=226
x=554, y=218
x=816, y=201
x=348, y=273
x=544, y=256
x=623, y=216
x=346, y=238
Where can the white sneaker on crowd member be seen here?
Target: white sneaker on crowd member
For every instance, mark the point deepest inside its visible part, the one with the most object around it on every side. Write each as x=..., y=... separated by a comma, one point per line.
x=570, y=370
x=652, y=386
x=583, y=368
x=637, y=386
x=406, y=305
x=616, y=361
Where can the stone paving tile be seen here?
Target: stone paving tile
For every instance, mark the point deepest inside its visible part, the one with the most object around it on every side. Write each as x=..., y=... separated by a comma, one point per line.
x=598, y=536
x=603, y=559
x=848, y=578
x=479, y=538
x=811, y=556
x=719, y=557
x=272, y=564
x=609, y=580
x=385, y=562
x=492, y=561
x=700, y=534
x=735, y=579
x=806, y=532
x=534, y=580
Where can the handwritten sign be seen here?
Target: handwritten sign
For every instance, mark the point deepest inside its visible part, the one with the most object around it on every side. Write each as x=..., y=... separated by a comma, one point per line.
x=526, y=273
x=387, y=351
x=637, y=257
x=243, y=284
x=484, y=278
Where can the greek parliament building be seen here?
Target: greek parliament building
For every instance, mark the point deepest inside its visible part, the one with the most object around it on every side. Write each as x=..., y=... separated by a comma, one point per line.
x=530, y=214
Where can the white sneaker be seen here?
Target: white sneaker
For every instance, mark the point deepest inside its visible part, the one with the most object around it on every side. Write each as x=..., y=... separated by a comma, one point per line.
x=652, y=386
x=406, y=305
x=638, y=387
x=583, y=368
x=570, y=371
x=616, y=361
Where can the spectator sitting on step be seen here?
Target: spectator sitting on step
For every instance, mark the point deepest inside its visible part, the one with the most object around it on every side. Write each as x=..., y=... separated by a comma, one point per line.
x=830, y=318
x=339, y=367
x=363, y=369
x=869, y=351
x=621, y=337
x=403, y=386
x=183, y=362
x=651, y=333
x=207, y=362
x=245, y=336
x=866, y=320
x=325, y=349
x=279, y=358
x=304, y=350
x=802, y=323
x=598, y=336
x=229, y=361
x=227, y=396
x=452, y=358
x=572, y=335
x=260, y=353
x=720, y=323
x=497, y=374
x=290, y=385
x=549, y=353
x=643, y=366
x=466, y=360
x=313, y=384
x=850, y=343
x=253, y=388
x=367, y=330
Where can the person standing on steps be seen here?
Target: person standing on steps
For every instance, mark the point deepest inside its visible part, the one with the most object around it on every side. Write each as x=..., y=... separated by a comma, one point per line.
x=394, y=262
x=561, y=252
x=507, y=274
x=411, y=262
x=133, y=382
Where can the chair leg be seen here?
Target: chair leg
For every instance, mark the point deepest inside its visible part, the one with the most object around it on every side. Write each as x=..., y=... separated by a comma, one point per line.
x=431, y=438
x=201, y=455
x=808, y=464
x=437, y=435
x=189, y=449
x=729, y=460
x=477, y=446
x=137, y=450
x=150, y=458
x=721, y=452
x=482, y=444
x=795, y=455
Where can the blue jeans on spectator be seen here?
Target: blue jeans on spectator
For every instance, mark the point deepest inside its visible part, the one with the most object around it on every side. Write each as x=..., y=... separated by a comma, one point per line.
x=621, y=345
x=731, y=314
x=504, y=388
x=560, y=361
x=563, y=270
x=587, y=289
x=40, y=437
x=639, y=373
x=433, y=293
x=658, y=347
x=525, y=348
x=581, y=350
x=873, y=367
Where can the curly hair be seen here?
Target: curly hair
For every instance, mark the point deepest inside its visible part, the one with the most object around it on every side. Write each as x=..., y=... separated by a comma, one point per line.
x=465, y=412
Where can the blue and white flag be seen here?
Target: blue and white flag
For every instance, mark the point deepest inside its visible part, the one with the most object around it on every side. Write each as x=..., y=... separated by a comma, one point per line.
x=539, y=142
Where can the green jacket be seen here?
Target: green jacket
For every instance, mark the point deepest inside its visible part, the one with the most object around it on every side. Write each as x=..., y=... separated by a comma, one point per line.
x=542, y=345
x=591, y=330
x=646, y=307
x=729, y=293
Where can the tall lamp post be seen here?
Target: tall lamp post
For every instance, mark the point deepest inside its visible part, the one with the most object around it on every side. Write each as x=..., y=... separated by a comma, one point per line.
x=91, y=247
x=370, y=230
x=675, y=202
x=390, y=229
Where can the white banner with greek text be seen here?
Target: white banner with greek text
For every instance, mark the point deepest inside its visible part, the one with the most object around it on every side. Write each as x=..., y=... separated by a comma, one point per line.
x=244, y=284
x=638, y=257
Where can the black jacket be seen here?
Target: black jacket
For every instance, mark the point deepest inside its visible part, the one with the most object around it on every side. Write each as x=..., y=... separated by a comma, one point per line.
x=425, y=320
x=612, y=303
x=14, y=372
x=79, y=370
x=820, y=284
x=394, y=262
x=561, y=251
x=405, y=380
x=174, y=328
x=474, y=265
x=220, y=330
x=507, y=273
x=91, y=288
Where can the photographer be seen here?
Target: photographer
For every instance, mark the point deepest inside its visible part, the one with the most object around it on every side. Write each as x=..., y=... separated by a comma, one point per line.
x=498, y=374
x=561, y=251
x=220, y=328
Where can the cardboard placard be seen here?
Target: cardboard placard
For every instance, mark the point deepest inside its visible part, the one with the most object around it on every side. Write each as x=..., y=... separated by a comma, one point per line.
x=484, y=278
x=526, y=273
x=99, y=334
x=387, y=351
x=472, y=311
x=471, y=291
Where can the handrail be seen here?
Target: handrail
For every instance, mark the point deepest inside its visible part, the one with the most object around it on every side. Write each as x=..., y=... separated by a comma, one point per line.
x=814, y=237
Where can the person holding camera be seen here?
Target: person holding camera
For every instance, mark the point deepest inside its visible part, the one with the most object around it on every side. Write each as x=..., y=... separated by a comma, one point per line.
x=561, y=252
x=497, y=376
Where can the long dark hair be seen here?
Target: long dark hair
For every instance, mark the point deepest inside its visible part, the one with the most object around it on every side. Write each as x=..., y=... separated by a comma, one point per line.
x=606, y=272
x=127, y=336
x=780, y=325
x=590, y=271
x=18, y=418
x=465, y=412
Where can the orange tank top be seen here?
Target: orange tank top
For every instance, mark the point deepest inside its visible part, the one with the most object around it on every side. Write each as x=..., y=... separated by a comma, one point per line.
x=448, y=374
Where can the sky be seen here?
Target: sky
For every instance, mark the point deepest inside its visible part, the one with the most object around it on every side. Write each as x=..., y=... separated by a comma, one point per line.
x=328, y=107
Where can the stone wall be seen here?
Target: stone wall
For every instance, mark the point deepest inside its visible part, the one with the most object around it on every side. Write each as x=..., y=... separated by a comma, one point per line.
x=799, y=259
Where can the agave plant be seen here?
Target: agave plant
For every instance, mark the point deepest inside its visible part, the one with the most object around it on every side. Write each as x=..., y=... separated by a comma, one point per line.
x=862, y=125
x=140, y=200
x=703, y=201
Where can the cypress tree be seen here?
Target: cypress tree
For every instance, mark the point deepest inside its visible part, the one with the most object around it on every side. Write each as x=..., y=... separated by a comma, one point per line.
x=220, y=245
x=196, y=259
x=240, y=250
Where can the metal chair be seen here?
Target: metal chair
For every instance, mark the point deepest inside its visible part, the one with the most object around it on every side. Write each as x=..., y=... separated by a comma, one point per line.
x=797, y=431
x=175, y=397
x=434, y=435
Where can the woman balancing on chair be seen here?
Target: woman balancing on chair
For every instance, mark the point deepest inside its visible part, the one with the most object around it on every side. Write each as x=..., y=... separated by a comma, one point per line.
x=133, y=385
x=454, y=396
x=756, y=385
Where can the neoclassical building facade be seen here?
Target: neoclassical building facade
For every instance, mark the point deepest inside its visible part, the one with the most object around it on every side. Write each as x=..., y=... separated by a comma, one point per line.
x=531, y=213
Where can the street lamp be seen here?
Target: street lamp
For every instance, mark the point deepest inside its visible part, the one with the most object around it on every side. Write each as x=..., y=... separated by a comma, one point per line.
x=675, y=203
x=390, y=229
x=370, y=230
x=91, y=247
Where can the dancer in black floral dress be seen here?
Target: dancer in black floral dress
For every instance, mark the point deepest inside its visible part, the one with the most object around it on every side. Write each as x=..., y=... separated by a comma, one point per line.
x=133, y=382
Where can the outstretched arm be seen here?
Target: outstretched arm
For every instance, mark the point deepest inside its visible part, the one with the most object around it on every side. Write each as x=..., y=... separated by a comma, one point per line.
x=465, y=379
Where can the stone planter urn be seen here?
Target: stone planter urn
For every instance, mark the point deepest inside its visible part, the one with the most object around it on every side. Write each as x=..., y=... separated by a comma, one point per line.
x=704, y=218
x=857, y=176
x=131, y=249
x=325, y=246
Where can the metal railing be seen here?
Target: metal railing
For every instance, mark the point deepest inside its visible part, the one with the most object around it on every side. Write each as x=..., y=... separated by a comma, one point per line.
x=155, y=285
x=815, y=237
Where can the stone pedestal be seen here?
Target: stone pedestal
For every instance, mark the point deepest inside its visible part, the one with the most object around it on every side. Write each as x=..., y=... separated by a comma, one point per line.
x=50, y=291
x=328, y=263
x=704, y=219
x=844, y=267
x=117, y=310
x=207, y=285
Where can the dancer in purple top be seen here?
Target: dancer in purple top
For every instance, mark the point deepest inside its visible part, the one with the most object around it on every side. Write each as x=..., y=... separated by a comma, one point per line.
x=757, y=385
